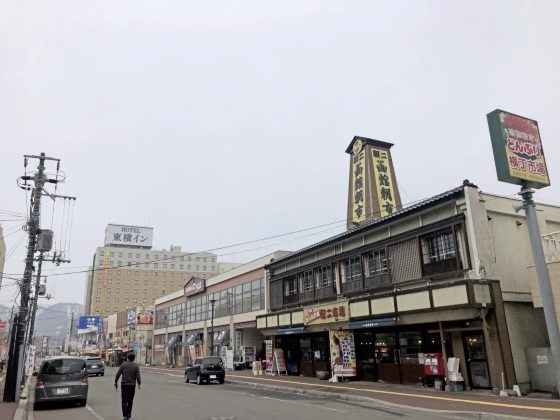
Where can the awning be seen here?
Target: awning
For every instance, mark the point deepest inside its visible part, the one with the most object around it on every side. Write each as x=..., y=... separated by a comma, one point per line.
x=172, y=340
x=190, y=340
x=288, y=331
x=373, y=323
x=221, y=337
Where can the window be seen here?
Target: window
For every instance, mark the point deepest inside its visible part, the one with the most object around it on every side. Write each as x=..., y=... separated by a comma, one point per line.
x=155, y=265
x=99, y=290
x=189, y=258
x=155, y=282
x=256, y=295
x=155, y=273
x=110, y=281
x=108, y=290
x=98, y=299
x=182, y=267
x=306, y=281
x=213, y=268
x=125, y=300
x=182, y=258
x=120, y=254
x=173, y=257
x=112, y=254
x=376, y=263
x=204, y=268
x=101, y=253
x=324, y=277
x=118, y=272
x=135, y=300
x=127, y=291
x=350, y=270
x=144, y=300
x=165, y=257
x=164, y=274
x=197, y=268
x=157, y=257
x=290, y=287
x=163, y=283
x=204, y=259
x=136, y=273
x=116, y=300
x=145, y=282
x=197, y=259
x=129, y=264
x=154, y=292
x=145, y=273
x=439, y=246
x=115, y=308
x=213, y=259
x=172, y=275
x=107, y=300
x=172, y=283
x=117, y=290
x=135, y=291
x=188, y=267
x=111, y=262
x=145, y=291
x=130, y=255
x=173, y=266
x=137, y=256
x=164, y=265
x=118, y=281
x=127, y=281
x=136, y=282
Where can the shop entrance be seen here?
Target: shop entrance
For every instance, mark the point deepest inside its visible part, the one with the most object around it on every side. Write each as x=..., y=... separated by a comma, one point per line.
x=477, y=360
x=314, y=354
x=396, y=356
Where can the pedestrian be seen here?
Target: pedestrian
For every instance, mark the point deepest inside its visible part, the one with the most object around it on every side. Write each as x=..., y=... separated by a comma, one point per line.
x=130, y=372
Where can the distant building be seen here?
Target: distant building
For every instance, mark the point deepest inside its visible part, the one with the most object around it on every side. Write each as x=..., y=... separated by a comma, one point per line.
x=226, y=266
x=2, y=254
x=127, y=272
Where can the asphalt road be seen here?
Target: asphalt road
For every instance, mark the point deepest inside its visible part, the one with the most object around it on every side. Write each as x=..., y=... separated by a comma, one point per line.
x=166, y=396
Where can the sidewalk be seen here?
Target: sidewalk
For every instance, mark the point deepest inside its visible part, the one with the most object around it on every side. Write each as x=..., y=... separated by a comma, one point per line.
x=7, y=410
x=402, y=395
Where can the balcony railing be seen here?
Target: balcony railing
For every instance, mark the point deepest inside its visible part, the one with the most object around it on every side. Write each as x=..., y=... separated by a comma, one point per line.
x=377, y=280
x=293, y=298
x=306, y=295
x=437, y=267
x=324, y=292
x=352, y=286
x=551, y=246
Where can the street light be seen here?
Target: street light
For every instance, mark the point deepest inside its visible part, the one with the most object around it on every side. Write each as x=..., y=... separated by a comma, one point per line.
x=212, y=301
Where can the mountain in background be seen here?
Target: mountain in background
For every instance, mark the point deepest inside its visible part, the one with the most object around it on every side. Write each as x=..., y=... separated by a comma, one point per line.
x=52, y=320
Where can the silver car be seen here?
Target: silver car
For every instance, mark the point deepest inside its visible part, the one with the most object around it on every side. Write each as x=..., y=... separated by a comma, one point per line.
x=95, y=365
x=63, y=378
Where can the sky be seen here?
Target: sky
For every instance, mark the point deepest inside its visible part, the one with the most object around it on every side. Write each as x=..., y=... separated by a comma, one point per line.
x=220, y=123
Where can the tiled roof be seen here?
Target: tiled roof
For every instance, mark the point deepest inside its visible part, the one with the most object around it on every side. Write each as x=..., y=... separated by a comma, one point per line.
x=377, y=222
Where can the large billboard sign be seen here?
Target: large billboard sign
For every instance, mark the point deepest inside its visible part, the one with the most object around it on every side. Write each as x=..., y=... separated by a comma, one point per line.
x=144, y=315
x=323, y=314
x=131, y=316
x=89, y=324
x=358, y=182
x=384, y=182
x=518, y=151
x=130, y=236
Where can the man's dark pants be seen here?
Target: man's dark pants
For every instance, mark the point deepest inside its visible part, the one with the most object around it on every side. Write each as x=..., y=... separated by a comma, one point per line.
x=127, y=396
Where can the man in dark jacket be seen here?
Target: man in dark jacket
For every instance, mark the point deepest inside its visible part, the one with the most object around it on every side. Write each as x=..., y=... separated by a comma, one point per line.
x=130, y=375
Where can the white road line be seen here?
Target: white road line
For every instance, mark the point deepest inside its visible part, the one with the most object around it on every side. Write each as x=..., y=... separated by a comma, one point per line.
x=299, y=403
x=97, y=416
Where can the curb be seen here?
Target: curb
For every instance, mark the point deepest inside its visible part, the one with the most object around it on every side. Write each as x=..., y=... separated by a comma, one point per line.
x=359, y=398
x=26, y=400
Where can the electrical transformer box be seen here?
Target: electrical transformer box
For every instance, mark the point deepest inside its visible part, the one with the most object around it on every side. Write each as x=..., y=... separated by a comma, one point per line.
x=45, y=240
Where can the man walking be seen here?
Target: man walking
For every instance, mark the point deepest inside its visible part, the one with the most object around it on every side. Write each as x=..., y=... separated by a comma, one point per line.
x=130, y=372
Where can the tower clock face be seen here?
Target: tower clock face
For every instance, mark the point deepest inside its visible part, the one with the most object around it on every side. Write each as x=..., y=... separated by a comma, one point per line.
x=357, y=147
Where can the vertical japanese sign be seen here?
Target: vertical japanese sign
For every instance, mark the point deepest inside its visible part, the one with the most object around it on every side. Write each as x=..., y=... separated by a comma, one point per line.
x=343, y=353
x=358, y=182
x=106, y=266
x=384, y=182
x=518, y=151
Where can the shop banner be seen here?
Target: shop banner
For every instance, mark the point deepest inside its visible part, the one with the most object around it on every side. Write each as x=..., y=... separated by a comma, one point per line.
x=343, y=353
x=29, y=360
x=384, y=182
x=269, y=354
x=358, y=182
x=335, y=312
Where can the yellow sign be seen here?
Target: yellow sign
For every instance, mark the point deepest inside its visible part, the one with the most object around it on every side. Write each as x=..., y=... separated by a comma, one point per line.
x=358, y=183
x=384, y=182
x=106, y=266
x=334, y=312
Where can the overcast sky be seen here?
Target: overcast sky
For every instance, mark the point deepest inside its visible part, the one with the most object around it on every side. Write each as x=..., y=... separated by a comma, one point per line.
x=224, y=122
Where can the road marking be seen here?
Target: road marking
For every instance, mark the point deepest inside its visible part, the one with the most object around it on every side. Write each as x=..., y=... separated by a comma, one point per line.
x=405, y=394
x=302, y=403
x=97, y=416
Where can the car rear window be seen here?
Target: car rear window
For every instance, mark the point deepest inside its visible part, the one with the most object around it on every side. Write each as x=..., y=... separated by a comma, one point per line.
x=94, y=359
x=212, y=360
x=63, y=367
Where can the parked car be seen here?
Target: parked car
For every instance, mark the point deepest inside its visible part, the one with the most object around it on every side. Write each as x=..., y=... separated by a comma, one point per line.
x=95, y=365
x=210, y=368
x=62, y=378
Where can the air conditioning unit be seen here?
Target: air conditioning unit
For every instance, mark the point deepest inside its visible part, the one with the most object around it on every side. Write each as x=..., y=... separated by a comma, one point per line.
x=45, y=241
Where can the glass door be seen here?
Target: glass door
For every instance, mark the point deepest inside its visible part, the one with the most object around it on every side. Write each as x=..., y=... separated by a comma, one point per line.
x=477, y=360
x=387, y=358
x=410, y=344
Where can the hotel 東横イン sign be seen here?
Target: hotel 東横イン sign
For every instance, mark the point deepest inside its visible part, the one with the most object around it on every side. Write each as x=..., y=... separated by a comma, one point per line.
x=518, y=151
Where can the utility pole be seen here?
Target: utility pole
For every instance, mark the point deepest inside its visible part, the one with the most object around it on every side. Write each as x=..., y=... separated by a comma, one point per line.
x=35, y=300
x=36, y=184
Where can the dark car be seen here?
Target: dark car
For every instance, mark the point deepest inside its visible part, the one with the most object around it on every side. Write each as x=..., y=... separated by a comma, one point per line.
x=95, y=365
x=63, y=378
x=210, y=368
